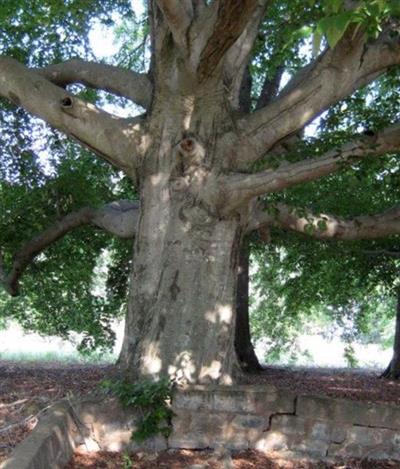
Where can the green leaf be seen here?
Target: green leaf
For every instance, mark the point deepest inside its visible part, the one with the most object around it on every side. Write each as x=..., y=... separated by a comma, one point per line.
x=394, y=8
x=322, y=226
x=335, y=26
x=333, y=6
x=316, y=44
x=304, y=32
x=309, y=228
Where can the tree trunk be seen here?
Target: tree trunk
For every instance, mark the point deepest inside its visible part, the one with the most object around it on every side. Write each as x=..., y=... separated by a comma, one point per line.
x=393, y=369
x=181, y=311
x=244, y=348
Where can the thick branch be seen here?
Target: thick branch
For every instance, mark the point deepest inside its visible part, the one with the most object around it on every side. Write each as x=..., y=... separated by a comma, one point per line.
x=125, y=83
x=324, y=226
x=332, y=77
x=118, y=218
x=237, y=60
x=114, y=139
x=241, y=187
x=232, y=18
x=178, y=15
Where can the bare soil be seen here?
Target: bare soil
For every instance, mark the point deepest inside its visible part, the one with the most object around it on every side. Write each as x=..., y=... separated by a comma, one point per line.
x=27, y=389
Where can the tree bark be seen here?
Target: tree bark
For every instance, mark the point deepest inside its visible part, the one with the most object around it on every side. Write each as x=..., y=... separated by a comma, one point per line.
x=393, y=369
x=181, y=312
x=243, y=346
x=325, y=226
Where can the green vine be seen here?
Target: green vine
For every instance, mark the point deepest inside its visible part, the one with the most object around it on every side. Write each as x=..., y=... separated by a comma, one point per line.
x=151, y=399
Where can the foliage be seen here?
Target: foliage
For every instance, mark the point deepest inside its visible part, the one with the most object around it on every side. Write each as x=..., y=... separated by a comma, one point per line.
x=301, y=284
x=151, y=399
x=44, y=176
x=349, y=355
x=62, y=280
x=127, y=462
x=367, y=14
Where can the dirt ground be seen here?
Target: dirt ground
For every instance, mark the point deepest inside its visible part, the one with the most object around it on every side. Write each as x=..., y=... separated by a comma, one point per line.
x=27, y=389
x=185, y=459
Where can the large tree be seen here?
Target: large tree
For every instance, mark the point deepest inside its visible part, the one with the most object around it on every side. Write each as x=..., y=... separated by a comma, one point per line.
x=204, y=161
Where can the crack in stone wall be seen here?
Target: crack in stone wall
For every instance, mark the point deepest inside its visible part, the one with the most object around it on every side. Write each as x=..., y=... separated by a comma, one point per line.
x=277, y=414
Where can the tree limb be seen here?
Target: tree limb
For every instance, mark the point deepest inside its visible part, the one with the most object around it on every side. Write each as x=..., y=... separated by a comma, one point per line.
x=179, y=15
x=238, y=58
x=232, y=18
x=324, y=226
x=125, y=83
x=112, y=138
x=353, y=63
x=238, y=188
x=118, y=218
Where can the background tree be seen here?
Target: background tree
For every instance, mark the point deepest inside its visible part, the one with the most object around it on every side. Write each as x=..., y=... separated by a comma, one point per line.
x=199, y=163
x=341, y=278
x=367, y=110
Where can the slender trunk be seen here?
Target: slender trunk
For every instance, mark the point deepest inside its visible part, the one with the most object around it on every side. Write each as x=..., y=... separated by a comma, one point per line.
x=393, y=369
x=244, y=348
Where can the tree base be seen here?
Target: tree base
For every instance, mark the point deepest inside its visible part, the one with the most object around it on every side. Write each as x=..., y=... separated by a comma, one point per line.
x=249, y=363
x=392, y=372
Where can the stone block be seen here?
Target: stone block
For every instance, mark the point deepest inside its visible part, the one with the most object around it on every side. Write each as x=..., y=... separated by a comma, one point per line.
x=272, y=441
x=310, y=447
x=233, y=401
x=151, y=445
x=199, y=429
x=192, y=400
x=50, y=445
x=261, y=399
x=299, y=434
x=365, y=442
x=289, y=424
x=339, y=433
x=249, y=422
x=267, y=404
x=258, y=401
x=349, y=412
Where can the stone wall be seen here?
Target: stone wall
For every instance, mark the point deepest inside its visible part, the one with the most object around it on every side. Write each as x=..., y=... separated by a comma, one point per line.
x=269, y=419
x=233, y=417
